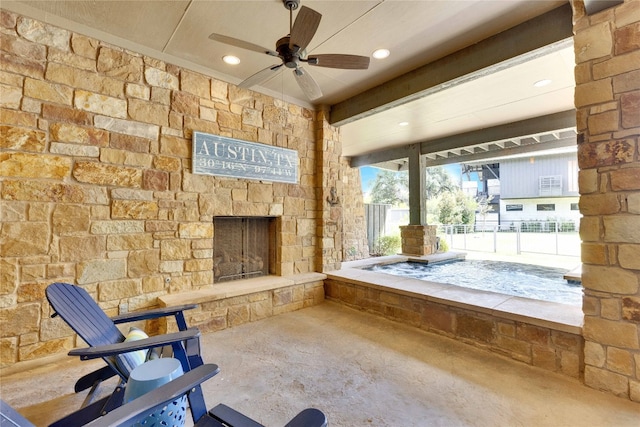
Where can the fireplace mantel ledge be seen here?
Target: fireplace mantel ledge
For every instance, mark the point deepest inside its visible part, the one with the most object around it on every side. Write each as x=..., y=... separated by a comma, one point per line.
x=236, y=288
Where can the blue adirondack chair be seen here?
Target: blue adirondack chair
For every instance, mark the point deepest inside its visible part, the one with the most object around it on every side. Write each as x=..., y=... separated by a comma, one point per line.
x=189, y=384
x=76, y=307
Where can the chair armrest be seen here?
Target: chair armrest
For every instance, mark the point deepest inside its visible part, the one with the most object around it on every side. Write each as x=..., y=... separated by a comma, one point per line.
x=138, y=409
x=11, y=417
x=152, y=314
x=125, y=347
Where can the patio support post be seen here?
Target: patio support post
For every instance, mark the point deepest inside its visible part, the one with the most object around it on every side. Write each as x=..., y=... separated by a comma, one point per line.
x=417, y=237
x=417, y=179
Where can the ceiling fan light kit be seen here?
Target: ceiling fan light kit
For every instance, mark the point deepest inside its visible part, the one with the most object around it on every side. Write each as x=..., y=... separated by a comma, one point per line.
x=291, y=49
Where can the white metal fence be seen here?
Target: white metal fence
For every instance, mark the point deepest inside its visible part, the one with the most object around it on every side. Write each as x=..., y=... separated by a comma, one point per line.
x=544, y=237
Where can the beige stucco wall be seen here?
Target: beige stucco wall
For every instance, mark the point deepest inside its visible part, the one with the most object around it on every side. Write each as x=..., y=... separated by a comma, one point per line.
x=607, y=97
x=96, y=185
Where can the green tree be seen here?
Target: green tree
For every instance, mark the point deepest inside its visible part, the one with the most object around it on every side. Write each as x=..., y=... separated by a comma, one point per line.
x=438, y=181
x=467, y=206
x=390, y=187
x=447, y=209
x=456, y=208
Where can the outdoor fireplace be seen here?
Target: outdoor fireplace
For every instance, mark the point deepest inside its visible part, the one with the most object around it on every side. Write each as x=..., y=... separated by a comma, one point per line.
x=243, y=247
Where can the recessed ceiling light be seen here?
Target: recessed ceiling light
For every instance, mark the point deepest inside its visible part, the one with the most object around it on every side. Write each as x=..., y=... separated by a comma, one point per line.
x=403, y=124
x=231, y=60
x=381, y=53
x=541, y=83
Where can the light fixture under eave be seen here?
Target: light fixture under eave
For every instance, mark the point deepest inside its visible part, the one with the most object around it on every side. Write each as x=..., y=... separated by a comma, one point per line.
x=231, y=60
x=403, y=124
x=542, y=83
x=380, y=53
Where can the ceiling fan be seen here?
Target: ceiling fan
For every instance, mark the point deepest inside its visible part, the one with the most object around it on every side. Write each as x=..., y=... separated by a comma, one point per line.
x=291, y=49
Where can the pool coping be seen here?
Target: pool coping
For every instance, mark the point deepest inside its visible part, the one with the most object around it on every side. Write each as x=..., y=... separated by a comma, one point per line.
x=557, y=316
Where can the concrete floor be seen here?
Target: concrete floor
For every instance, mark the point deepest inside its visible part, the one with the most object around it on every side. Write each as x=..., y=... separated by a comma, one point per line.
x=361, y=370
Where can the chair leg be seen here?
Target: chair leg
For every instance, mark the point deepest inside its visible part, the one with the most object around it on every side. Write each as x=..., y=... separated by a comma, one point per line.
x=92, y=411
x=310, y=417
x=93, y=392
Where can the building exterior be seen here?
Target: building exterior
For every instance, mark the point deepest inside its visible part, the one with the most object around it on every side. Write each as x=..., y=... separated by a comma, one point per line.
x=540, y=188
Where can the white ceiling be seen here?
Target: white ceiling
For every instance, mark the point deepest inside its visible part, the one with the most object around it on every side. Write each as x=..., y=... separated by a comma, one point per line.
x=416, y=32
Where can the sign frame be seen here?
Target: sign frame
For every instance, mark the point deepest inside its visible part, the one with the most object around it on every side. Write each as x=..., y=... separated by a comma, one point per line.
x=217, y=155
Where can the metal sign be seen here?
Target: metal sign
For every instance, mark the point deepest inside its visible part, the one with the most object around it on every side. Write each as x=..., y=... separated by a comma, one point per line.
x=221, y=156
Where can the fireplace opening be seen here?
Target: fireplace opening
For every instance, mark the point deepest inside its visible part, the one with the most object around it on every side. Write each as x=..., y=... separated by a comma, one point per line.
x=243, y=247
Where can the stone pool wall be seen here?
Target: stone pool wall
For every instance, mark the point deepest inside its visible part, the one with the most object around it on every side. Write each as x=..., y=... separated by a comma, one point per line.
x=554, y=347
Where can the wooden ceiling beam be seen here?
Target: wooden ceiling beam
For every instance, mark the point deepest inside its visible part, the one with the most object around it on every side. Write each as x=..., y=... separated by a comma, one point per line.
x=509, y=131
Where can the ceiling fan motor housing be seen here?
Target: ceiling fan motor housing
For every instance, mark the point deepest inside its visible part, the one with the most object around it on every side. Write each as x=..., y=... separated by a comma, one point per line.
x=289, y=56
x=291, y=4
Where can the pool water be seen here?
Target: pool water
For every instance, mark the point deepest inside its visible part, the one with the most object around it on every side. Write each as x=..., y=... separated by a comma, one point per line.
x=524, y=280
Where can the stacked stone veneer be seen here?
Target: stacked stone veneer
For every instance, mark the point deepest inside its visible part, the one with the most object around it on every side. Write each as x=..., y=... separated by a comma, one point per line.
x=96, y=188
x=418, y=240
x=231, y=304
x=557, y=349
x=354, y=241
x=607, y=47
x=341, y=205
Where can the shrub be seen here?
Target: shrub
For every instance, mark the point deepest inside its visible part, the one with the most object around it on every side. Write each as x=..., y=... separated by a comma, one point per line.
x=386, y=245
x=443, y=246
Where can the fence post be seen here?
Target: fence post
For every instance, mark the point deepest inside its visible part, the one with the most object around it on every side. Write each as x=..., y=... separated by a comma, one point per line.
x=495, y=238
x=557, y=239
x=464, y=237
x=518, y=249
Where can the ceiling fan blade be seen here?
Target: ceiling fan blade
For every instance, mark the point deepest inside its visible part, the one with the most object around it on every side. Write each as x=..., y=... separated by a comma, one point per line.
x=304, y=27
x=259, y=77
x=307, y=83
x=336, y=60
x=242, y=44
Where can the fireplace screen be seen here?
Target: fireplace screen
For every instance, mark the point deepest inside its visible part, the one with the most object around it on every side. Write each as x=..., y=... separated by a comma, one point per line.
x=242, y=246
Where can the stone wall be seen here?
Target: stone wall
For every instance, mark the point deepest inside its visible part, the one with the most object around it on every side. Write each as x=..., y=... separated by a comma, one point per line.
x=419, y=240
x=557, y=349
x=607, y=98
x=341, y=205
x=96, y=184
x=233, y=304
x=354, y=234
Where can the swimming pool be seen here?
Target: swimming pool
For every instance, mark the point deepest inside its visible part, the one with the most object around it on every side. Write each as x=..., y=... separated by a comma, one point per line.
x=524, y=280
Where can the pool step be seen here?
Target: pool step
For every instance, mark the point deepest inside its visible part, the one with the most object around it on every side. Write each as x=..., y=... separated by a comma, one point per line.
x=574, y=275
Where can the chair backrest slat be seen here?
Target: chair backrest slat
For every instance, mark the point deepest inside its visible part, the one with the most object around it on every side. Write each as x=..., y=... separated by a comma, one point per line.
x=76, y=307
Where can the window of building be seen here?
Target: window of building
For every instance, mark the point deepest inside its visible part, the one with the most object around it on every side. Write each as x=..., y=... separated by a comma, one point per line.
x=575, y=207
x=514, y=208
x=546, y=207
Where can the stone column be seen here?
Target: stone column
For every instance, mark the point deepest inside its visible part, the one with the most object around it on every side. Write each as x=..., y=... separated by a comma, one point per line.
x=329, y=193
x=607, y=98
x=417, y=182
x=418, y=240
